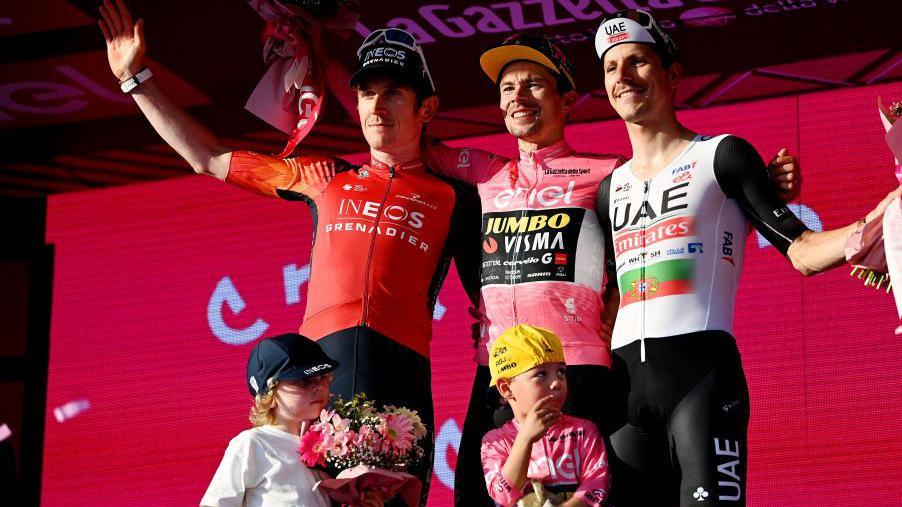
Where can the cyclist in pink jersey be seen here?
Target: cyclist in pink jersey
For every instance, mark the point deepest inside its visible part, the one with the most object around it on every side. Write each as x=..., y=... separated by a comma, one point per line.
x=542, y=242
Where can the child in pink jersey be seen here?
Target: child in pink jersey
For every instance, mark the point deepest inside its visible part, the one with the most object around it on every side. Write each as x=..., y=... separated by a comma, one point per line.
x=564, y=454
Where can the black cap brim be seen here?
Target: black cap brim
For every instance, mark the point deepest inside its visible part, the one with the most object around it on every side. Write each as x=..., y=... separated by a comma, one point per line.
x=314, y=369
x=391, y=70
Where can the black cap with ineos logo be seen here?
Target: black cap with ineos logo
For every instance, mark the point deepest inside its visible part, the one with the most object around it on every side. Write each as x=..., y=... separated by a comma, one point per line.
x=285, y=357
x=393, y=52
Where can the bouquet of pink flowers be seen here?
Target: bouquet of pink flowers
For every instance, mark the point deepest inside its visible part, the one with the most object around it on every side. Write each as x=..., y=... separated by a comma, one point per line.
x=374, y=447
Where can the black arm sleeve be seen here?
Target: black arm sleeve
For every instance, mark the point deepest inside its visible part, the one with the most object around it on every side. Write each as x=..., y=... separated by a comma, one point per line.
x=743, y=176
x=465, y=237
x=602, y=201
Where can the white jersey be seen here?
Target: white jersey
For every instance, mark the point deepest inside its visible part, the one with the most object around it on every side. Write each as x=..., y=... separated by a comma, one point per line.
x=678, y=239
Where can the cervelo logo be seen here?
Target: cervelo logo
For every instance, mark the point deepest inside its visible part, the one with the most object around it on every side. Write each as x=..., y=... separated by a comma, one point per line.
x=372, y=209
x=546, y=196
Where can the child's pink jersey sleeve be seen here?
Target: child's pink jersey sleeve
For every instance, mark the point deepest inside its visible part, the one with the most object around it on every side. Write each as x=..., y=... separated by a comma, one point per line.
x=595, y=480
x=494, y=453
x=468, y=165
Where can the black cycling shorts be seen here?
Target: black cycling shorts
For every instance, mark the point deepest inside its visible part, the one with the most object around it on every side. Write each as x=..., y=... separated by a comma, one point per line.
x=390, y=374
x=686, y=412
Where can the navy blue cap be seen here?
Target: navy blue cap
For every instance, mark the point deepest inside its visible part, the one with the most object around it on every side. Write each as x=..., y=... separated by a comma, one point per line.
x=285, y=357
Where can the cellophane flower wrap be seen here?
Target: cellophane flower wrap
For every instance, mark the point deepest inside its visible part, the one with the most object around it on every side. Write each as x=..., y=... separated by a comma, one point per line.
x=355, y=433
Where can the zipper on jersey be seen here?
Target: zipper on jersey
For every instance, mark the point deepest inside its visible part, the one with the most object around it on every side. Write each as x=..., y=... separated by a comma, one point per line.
x=642, y=254
x=369, y=259
x=523, y=213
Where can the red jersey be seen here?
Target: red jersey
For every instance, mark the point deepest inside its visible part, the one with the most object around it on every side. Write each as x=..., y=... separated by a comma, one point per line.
x=382, y=242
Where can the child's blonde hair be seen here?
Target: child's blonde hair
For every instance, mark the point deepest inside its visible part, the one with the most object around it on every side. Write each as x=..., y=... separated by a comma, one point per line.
x=262, y=413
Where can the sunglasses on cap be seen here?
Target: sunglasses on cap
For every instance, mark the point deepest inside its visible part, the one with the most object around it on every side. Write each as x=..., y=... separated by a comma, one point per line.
x=397, y=37
x=544, y=45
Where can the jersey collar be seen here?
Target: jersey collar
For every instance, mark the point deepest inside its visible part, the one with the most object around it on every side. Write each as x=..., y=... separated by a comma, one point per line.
x=416, y=164
x=556, y=150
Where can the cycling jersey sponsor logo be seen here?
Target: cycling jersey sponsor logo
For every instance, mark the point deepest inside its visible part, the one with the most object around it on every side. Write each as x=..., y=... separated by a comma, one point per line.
x=417, y=198
x=676, y=251
x=595, y=496
x=677, y=227
x=672, y=199
x=729, y=485
x=679, y=178
x=371, y=217
x=570, y=305
x=727, y=247
x=385, y=54
x=665, y=278
x=530, y=245
x=779, y=212
x=363, y=173
x=556, y=171
x=356, y=188
x=684, y=168
x=551, y=195
x=623, y=188
x=696, y=248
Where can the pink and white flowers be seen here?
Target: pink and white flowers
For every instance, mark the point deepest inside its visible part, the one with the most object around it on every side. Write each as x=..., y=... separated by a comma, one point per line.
x=355, y=433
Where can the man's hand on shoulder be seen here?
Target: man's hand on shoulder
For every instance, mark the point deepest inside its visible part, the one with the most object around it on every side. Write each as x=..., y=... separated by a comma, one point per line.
x=786, y=174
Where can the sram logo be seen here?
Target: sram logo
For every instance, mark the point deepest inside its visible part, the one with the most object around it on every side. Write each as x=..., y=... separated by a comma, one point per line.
x=546, y=196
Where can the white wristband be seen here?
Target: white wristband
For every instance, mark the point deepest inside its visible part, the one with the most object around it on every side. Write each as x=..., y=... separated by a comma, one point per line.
x=131, y=83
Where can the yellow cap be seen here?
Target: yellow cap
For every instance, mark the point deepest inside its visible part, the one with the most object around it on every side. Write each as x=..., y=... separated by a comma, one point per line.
x=522, y=348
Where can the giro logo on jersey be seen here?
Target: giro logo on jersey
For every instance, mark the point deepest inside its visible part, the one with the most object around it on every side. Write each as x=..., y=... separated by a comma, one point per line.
x=533, y=245
x=551, y=195
x=727, y=247
x=672, y=199
x=673, y=228
x=729, y=470
x=664, y=278
x=696, y=248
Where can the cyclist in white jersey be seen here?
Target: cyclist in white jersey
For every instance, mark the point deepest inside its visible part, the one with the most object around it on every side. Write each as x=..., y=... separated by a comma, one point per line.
x=678, y=214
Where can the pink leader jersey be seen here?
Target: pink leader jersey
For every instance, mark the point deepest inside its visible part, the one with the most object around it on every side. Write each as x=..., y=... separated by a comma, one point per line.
x=571, y=453
x=542, y=248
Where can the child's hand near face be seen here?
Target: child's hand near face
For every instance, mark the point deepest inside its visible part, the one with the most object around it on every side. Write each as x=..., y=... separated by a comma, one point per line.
x=539, y=418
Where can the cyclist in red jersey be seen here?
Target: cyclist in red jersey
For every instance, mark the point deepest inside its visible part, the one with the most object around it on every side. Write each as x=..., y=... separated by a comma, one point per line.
x=542, y=242
x=383, y=236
